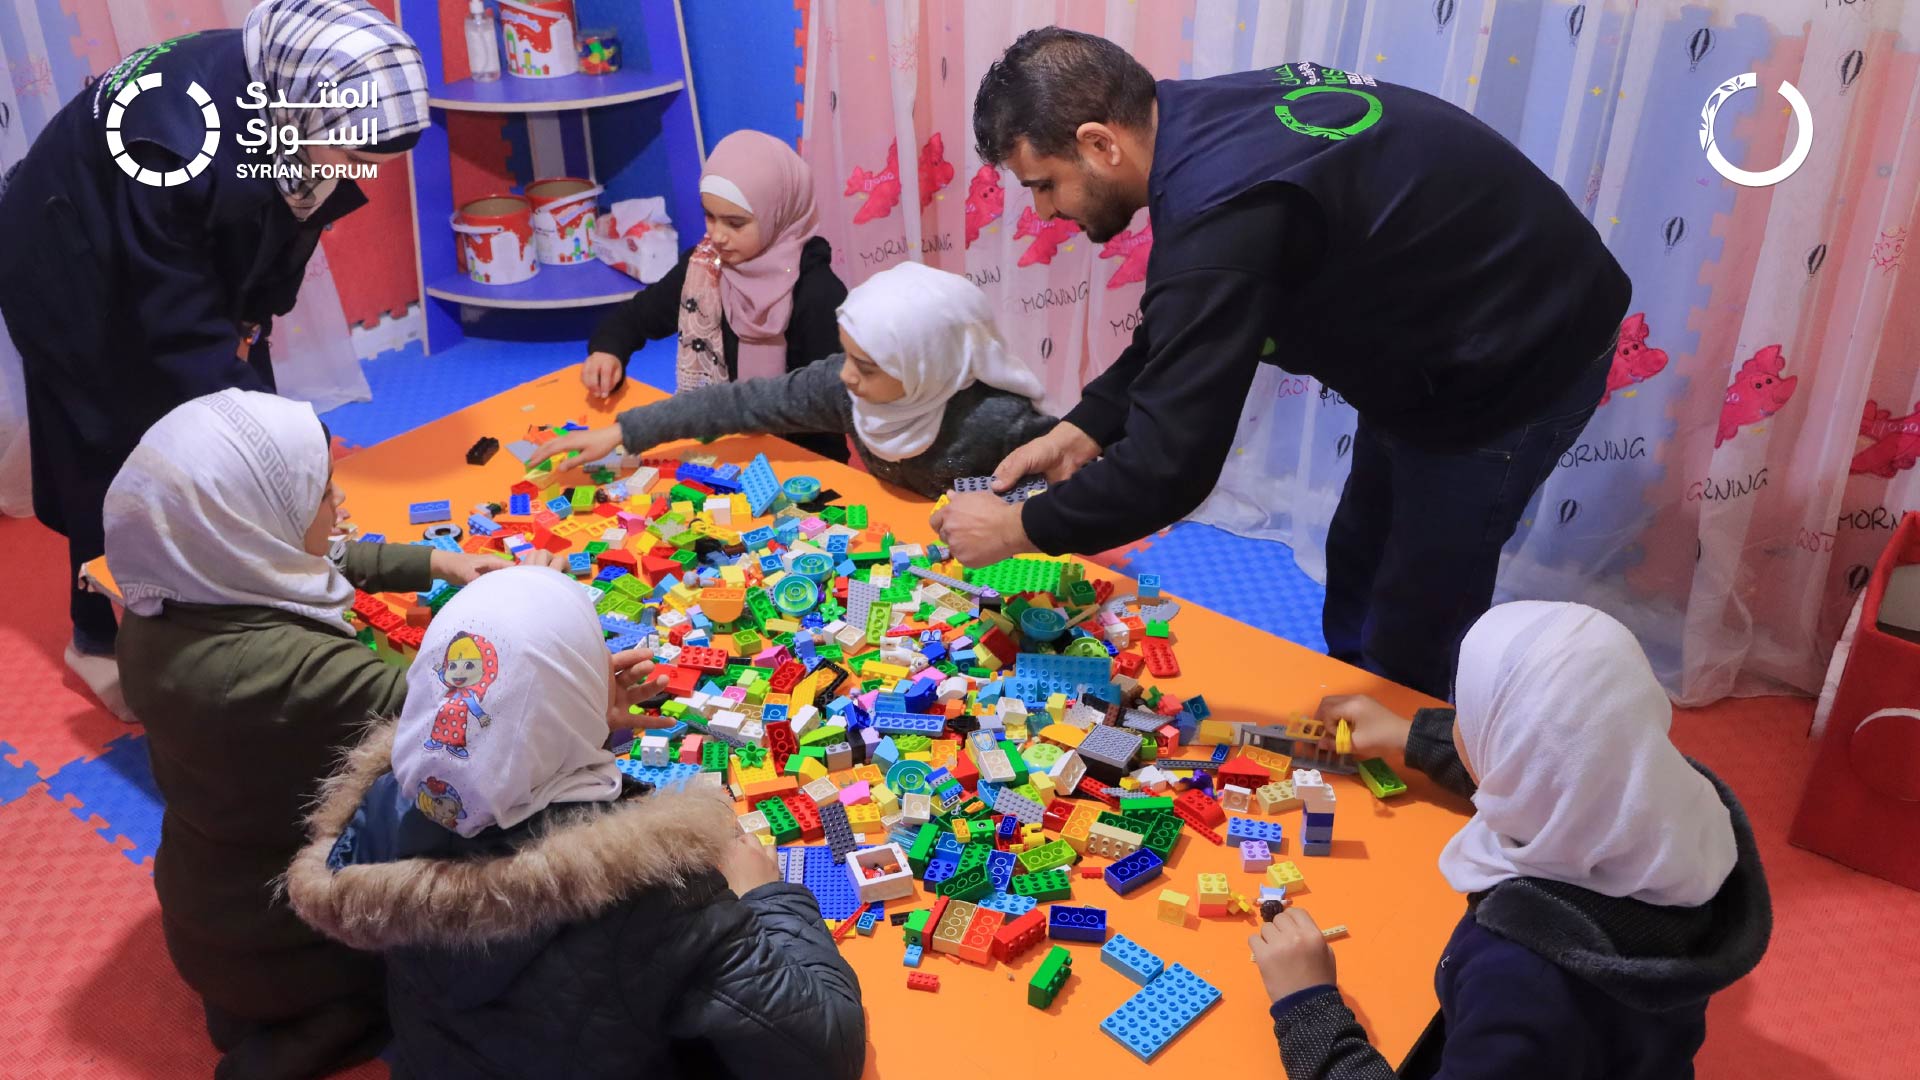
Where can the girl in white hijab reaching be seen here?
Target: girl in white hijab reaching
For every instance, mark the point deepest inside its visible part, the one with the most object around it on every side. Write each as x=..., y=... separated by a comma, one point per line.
x=223, y=535
x=926, y=389
x=1612, y=885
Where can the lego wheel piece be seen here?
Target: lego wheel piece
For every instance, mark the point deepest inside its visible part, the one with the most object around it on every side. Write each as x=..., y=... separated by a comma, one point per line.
x=448, y=531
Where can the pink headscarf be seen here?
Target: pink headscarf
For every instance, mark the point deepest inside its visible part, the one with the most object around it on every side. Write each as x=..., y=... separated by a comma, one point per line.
x=767, y=179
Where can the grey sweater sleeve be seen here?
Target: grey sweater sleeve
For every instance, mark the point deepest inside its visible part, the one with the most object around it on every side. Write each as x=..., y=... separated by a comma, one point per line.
x=807, y=400
x=1430, y=749
x=1321, y=1040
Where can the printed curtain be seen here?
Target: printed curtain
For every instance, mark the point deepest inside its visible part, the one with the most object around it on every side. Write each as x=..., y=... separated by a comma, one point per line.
x=1762, y=423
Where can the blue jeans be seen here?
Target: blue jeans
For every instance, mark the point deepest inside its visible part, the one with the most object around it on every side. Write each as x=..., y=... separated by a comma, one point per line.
x=1415, y=543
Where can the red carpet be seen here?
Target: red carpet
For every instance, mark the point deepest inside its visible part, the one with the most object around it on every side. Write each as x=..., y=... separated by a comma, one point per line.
x=87, y=990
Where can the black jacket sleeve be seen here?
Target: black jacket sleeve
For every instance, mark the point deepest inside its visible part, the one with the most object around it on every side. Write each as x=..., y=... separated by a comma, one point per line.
x=780, y=1001
x=1430, y=749
x=1213, y=293
x=1102, y=411
x=180, y=298
x=648, y=315
x=813, y=330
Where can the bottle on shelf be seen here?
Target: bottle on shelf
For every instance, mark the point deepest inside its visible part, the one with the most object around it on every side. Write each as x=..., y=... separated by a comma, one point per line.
x=483, y=43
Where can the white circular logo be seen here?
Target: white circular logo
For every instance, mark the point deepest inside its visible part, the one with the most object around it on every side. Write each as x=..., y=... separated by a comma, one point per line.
x=141, y=174
x=1803, y=144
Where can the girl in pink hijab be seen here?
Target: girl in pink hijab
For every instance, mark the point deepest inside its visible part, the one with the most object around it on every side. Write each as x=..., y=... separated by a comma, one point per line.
x=755, y=298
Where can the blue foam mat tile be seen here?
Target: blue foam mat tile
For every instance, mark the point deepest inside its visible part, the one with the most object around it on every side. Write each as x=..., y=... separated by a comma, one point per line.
x=15, y=780
x=1212, y=567
x=118, y=787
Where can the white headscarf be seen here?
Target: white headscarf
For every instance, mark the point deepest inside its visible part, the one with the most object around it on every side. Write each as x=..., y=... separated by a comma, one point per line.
x=506, y=707
x=213, y=507
x=1562, y=719
x=934, y=331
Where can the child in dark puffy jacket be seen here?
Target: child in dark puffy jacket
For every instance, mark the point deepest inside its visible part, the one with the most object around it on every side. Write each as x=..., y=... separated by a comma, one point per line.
x=542, y=915
x=1612, y=885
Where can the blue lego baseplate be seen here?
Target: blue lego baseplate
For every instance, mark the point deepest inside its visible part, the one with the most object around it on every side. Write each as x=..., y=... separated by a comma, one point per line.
x=827, y=879
x=759, y=484
x=1159, y=1011
x=657, y=775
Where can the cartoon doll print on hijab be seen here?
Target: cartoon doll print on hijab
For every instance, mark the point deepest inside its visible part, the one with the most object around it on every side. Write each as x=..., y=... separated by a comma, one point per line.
x=469, y=668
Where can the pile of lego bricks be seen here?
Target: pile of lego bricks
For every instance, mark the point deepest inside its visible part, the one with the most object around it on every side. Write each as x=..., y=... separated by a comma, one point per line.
x=897, y=725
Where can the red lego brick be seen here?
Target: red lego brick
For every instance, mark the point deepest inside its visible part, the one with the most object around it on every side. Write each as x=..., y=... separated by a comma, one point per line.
x=976, y=942
x=965, y=771
x=1160, y=659
x=1241, y=772
x=920, y=980
x=1091, y=871
x=938, y=909
x=1196, y=808
x=654, y=568
x=619, y=557
x=1000, y=645
x=1094, y=789
x=805, y=814
x=1102, y=591
x=786, y=677
x=1128, y=664
x=781, y=744
x=682, y=681
x=1058, y=811
x=524, y=487
x=1016, y=937
x=702, y=658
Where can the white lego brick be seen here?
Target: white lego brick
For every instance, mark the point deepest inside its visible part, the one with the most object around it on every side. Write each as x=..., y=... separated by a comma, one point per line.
x=1067, y=770
x=754, y=823
x=893, y=885
x=822, y=791
x=916, y=808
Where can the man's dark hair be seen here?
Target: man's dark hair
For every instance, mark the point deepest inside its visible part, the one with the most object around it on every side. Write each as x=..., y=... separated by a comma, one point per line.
x=1049, y=83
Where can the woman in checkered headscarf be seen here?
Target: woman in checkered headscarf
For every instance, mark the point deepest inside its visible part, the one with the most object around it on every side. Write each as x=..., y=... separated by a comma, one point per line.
x=150, y=242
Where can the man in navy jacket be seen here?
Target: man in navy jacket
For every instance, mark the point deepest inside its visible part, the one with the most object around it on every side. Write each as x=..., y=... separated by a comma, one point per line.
x=1369, y=235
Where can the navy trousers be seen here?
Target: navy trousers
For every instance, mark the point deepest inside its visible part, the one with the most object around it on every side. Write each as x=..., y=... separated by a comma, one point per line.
x=1415, y=542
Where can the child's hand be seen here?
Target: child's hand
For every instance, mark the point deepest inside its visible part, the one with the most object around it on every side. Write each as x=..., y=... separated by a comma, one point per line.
x=593, y=445
x=461, y=568
x=1377, y=730
x=634, y=682
x=748, y=864
x=1292, y=955
x=602, y=373
x=543, y=557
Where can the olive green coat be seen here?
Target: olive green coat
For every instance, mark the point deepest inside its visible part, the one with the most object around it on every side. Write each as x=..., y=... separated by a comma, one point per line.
x=247, y=709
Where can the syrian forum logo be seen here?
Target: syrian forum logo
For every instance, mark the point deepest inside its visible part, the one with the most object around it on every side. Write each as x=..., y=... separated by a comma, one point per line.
x=276, y=141
x=140, y=173
x=1803, y=143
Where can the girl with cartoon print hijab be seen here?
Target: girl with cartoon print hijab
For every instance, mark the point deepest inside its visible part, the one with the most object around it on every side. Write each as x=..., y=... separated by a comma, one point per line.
x=539, y=906
x=469, y=668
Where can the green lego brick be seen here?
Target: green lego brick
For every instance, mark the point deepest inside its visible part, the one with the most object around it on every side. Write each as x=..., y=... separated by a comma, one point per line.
x=683, y=493
x=825, y=736
x=857, y=516
x=713, y=755
x=972, y=855
x=879, y=618
x=779, y=820
x=922, y=849
x=747, y=641
x=1380, y=779
x=916, y=927
x=1048, y=856
x=1043, y=886
x=912, y=744
x=1019, y=764
x=833, y=515
x=1133, y=804
x=1081, y=593
x=1049, y=977
x=1161, y=836
x=967, y=883
x=1019, y=575
x=596, y=547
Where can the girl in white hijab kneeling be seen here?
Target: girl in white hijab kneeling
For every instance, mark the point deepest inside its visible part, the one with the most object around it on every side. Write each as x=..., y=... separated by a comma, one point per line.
x=1612, y=885
x=925, y=389
x=541, y=913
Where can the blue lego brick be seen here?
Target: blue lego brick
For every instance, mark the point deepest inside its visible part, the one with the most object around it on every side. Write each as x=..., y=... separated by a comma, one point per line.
x=118, y=788
x=560, y=506
x=1149, y=587
x=837, y=544
x=1133, y=871
x=1130, y=958
x=520, y=504
x=481, y=525
x=657, y=775
x=868, y=918
x=939, y=870
x=1240, y=829
x=1011, y=905
x=1196, y=707
x=373, y=538
x=912, y=958
x=760, y=485
x=1316, y=817
x=579, y=563
x=1159, y=1011
x=620, y=643
x=757, y=538
x=1077, y=923
x=1000, y=866
x=831, y=887
x=427, y=513
x=903, y=723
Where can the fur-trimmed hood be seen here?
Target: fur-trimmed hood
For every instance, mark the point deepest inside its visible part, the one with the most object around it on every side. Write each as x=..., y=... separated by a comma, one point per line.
x=574, y=863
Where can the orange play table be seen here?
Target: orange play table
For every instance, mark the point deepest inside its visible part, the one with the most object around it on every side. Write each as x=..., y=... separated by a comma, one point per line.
x=1380, y=881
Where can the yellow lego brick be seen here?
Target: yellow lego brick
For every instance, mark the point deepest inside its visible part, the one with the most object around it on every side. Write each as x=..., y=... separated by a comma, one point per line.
x=811, y=769
x=943, y=752
x=782, y=626
x=1214, y=733
x=1276, y=798
x=876, y=669
x=961, y=831
x=1173, y=907
x=940, y=503
x=1064, y=734
x=1281, y=764
x=551, y=492
x=1075, y=831
x=864, y=817
x=1128, y=783
x=733, y=575
x=872, y=775
x=885, y=802
x=1057, y=706
x=683, y=508
x=918, y=755
x=1044, y=787
x=1017, y=730
x=778, y=699
x=1287, y=876
x=807, y=690
x=1213, y=888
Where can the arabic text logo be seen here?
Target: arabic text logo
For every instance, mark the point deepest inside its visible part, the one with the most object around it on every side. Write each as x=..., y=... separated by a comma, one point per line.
x=1803, y=143
x=142, y=174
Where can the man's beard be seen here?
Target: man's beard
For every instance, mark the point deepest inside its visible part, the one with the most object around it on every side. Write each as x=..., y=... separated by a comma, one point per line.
x=1107, y=215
